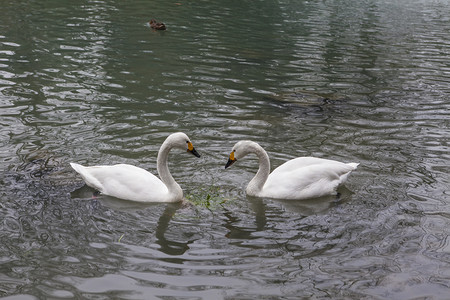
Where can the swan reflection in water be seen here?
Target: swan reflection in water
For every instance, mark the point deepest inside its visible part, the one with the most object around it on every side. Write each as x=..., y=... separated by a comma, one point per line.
x=267, y=208
x=263, y=211
x=167, y=245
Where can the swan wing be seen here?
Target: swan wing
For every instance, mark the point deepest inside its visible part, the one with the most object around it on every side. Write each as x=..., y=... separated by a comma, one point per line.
x=306, y=177
x=123, y=181
x=301, y=162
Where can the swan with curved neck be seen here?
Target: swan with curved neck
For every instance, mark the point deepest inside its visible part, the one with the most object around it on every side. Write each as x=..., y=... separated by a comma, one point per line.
x=299, y=178
x=136, y=184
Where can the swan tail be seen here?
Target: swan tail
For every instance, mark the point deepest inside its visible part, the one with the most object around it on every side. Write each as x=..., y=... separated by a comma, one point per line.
x=78, y=168
x=343, y=177
x=88, y=178
x=353, y=165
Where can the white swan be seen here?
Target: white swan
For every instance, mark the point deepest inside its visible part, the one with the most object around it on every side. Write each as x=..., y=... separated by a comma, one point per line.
x=133, y=183
x=299, y=178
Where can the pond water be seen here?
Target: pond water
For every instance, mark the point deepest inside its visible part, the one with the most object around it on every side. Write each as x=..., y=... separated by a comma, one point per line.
x=354, y=81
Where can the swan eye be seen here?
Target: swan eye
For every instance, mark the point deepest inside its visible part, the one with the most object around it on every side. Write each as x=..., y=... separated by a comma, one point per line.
x=190, y=146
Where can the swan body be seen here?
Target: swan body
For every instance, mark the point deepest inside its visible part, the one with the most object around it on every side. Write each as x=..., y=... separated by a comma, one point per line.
x=136, y=184
x=299, y=178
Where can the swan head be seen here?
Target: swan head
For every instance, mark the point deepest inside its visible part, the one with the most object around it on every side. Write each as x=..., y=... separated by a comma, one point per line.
x=241, y=149
x=181, y=140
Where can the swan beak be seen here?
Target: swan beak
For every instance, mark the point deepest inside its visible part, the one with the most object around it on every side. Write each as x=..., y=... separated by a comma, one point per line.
x=192, y=150
x=231, y=160
x=229, y=163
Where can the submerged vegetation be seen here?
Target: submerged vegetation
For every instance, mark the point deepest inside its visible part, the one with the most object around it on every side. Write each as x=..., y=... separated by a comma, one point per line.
x=209, y=197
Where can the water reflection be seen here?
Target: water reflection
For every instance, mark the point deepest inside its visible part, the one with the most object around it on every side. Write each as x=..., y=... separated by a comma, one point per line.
x=235, y=229
x=167, y=246
x=353, y=81
x=310, y=207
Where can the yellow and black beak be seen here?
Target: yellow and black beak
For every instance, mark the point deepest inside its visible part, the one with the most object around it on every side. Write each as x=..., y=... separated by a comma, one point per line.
x=192, y=150
x=231, y=160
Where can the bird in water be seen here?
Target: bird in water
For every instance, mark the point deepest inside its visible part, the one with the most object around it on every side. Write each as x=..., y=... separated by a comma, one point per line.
x=129, y=182
x=157, y=25
x=298, y=178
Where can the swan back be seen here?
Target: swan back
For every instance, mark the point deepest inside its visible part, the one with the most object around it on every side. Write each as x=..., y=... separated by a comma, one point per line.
x=306, y=177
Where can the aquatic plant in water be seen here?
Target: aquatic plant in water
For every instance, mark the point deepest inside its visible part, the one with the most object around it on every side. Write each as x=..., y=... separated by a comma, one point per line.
x=208, y=197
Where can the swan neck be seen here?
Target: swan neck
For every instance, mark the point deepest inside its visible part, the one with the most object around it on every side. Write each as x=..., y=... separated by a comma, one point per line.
x=162, y=166
x=257, y=183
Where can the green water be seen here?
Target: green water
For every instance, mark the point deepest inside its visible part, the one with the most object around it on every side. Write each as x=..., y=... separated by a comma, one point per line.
x=354, y=81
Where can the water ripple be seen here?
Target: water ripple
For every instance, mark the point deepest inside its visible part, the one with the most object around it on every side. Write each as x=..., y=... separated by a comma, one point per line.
x=94, y=84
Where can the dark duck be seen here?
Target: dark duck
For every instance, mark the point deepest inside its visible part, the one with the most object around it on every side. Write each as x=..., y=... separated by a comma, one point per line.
x=157, y=25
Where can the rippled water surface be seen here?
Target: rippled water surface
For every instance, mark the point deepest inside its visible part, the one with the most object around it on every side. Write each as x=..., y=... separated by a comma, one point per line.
x=355, y=81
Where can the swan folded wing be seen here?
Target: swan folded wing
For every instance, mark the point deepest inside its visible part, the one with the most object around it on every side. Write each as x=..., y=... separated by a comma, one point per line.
x=312, y=179
x=301, y=162
x=126, y=182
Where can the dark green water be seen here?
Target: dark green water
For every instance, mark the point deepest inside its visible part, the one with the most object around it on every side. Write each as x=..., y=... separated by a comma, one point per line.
x=354, y=81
